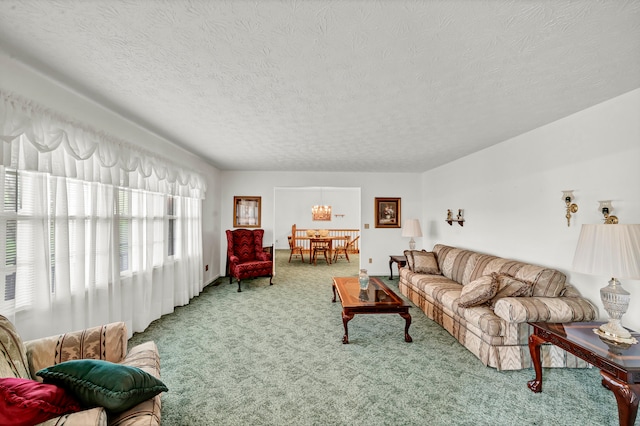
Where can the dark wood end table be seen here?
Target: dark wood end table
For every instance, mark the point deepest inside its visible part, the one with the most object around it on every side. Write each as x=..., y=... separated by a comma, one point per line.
x=619, y=364
x=377, y=299
x=400, y=260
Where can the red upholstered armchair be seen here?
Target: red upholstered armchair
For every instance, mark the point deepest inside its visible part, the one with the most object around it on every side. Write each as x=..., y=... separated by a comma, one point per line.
x=246, y=256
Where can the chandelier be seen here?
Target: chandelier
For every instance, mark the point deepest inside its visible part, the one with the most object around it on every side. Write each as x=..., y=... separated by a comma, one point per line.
x=320, y=210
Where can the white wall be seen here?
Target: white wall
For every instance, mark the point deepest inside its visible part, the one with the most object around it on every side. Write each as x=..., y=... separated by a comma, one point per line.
x=23, y=81
x=293, y=206
x=511, y=192
x=375, y=243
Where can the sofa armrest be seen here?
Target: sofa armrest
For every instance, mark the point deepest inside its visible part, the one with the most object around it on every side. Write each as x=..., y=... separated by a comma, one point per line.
x=146, y=357
x=107, y=342
x=545, y=309
x=95, y=417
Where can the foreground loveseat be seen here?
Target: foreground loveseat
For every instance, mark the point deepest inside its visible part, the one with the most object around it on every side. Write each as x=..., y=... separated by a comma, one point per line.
x=22, y=360
x=452, y=286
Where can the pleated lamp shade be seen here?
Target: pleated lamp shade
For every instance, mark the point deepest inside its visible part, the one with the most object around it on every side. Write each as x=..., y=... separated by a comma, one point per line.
x=609, y=250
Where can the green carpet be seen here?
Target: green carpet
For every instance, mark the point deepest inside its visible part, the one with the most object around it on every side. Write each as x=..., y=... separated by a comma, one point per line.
x=272, y=355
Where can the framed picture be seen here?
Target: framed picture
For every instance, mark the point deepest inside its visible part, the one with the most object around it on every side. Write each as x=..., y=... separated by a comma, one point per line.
x=246, y=212
x=387, y=211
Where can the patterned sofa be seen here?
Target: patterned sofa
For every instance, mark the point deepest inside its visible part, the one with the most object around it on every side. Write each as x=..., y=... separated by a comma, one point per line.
x=486, y=301
x=21, y=360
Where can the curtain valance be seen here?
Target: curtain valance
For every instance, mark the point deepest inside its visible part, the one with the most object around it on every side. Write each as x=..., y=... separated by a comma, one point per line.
x=37, y=139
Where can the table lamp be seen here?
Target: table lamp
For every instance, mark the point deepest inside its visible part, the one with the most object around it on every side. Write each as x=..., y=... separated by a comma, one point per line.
x=411, y=229
x=610, y=250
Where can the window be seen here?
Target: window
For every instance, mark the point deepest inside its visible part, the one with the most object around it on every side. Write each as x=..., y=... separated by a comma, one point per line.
x=171, y=226
x=9, y=231
x=124, y=218
x=87, y=226
x=25, y=230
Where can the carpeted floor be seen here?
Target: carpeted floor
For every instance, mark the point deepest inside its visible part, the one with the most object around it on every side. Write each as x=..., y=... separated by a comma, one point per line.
x=272, y=355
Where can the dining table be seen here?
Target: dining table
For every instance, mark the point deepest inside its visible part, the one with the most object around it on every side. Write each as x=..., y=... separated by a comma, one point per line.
x=328, y=240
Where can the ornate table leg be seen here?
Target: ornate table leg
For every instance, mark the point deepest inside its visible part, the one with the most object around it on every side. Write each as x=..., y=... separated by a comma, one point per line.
x=626, y=396
x=534, y=348
x=407, y=323
x=346, y=317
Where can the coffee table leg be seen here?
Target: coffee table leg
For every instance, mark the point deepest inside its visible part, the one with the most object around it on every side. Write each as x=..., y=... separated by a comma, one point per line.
x=346, y=317
x=407, y=323
x=626, y=397
x=334, y=293
x=534, y=348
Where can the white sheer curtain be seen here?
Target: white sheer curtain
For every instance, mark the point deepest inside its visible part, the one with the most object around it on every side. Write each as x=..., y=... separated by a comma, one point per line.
x=92, y=229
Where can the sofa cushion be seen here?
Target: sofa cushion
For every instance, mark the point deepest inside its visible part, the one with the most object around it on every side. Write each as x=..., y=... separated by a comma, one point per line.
x=29, y=402
x=545, y=309
x=114, y=386
x=510, y=287
x=478, y=291
x=453, y=262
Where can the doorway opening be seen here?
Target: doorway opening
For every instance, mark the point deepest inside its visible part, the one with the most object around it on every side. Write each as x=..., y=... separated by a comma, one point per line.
x=295, y=206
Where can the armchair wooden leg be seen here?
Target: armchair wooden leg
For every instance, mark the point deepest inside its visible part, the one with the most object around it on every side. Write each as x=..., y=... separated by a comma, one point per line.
x=239, y=289
x=270, y=279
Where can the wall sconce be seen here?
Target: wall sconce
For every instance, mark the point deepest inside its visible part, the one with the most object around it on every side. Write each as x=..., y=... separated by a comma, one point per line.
x=567, y=197
x=459, y=218
x=606, y=208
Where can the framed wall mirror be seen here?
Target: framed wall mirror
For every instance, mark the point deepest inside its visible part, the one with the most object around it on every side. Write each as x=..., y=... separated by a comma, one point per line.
x=246, y=212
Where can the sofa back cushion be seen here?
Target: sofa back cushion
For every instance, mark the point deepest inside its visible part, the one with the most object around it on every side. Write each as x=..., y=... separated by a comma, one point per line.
x=453, y=262
x=465, y=266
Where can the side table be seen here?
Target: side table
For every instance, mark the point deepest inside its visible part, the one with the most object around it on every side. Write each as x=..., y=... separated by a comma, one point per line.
x=619, y=364
x=400, y=260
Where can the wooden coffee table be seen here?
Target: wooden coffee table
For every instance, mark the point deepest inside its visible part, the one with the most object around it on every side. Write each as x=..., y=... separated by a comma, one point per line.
x=619, y=364
x=377, y=299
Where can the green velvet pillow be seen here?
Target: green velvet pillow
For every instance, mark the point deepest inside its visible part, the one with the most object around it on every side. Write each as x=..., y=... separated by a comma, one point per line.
x=115, y=387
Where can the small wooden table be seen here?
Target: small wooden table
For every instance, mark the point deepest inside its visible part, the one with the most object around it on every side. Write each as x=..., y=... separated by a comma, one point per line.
x=400, y=260
x=377, y=299
x=619, y=364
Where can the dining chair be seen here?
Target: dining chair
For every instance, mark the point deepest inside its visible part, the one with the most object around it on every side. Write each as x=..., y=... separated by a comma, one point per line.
x=319, y=246
x=343, y=249
x=295, y=250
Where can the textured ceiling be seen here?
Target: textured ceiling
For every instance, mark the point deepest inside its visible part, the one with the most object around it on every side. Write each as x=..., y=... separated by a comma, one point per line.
x=392, y=85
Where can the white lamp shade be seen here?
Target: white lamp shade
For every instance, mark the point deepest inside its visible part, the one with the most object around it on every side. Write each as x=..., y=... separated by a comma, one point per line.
x=411, y=228
x=608, y=250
